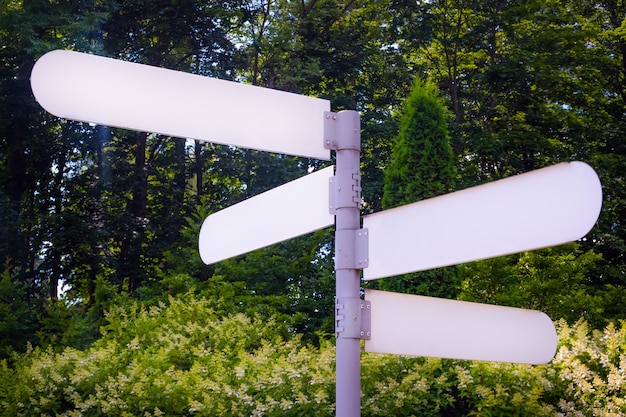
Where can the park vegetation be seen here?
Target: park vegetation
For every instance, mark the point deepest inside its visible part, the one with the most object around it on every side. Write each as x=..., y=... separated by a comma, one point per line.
x=105, y=306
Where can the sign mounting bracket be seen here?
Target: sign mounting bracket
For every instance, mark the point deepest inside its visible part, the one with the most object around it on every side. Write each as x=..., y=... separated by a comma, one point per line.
x=344, y=190
x=351, y=249
x=341, y=132
x=353, y=318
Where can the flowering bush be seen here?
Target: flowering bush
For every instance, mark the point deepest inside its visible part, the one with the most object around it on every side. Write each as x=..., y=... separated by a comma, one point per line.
x=182, y=358
x=177, y=358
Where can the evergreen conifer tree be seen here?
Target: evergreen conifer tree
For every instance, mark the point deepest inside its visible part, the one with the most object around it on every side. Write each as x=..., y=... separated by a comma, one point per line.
x=421, y=167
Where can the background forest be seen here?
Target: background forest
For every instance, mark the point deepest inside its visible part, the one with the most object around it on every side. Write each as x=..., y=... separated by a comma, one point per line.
x=105, y=306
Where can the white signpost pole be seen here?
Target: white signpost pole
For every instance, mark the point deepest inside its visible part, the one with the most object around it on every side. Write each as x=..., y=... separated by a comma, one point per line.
x=343, y=134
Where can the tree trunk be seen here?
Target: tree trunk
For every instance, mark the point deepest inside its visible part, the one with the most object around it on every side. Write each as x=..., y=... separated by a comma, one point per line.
x=56, y=269
x=199, y=171
x=130, y=269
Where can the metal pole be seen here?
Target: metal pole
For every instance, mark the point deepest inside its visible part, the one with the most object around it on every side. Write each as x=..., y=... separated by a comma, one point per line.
x=346, y=186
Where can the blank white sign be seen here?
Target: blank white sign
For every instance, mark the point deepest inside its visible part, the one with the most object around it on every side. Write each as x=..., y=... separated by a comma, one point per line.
x=424, y=326
x=538, y=209
x=293, y=209
x=111, y=92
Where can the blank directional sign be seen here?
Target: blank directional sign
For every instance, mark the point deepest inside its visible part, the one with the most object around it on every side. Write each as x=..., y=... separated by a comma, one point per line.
x=542, y=208
x=293, y=209
x=111, y=92
x=425, y=326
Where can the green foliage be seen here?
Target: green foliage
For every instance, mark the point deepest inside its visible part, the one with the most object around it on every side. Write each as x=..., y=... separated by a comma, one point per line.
x=522, y=85
x=555, y=281
x=17, y=320
x=402, y=386
x=422, y=162
x=297, y=275
x=186, y=356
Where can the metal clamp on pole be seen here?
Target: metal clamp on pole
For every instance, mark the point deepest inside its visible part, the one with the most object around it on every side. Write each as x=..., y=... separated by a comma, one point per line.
x=342, y=131
x=353, y=319
x=344, y=190
x=351, y=249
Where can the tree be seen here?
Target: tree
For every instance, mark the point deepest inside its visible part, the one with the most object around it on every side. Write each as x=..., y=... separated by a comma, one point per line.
x=37, y=151
x=607, y=107
x=190, y=36
x=422, y=162
x=532, y=84
x=520, y=78
x=421, y=167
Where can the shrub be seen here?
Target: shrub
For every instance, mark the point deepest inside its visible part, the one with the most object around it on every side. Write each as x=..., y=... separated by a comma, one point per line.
x=181, y=358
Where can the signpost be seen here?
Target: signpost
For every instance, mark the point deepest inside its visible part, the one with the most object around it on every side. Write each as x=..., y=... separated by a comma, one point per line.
x=540, y=209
